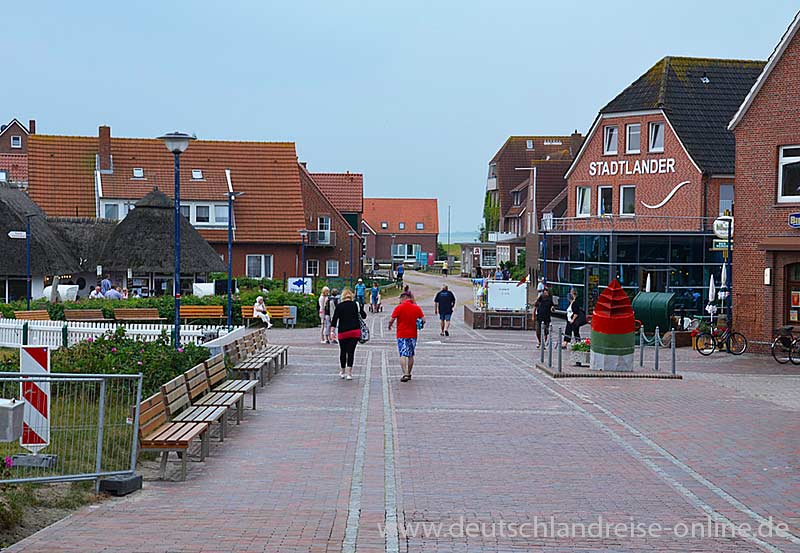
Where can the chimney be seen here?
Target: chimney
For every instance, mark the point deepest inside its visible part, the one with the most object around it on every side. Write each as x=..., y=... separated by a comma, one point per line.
x=104, y=149
x=575, y=143
x=32, y=126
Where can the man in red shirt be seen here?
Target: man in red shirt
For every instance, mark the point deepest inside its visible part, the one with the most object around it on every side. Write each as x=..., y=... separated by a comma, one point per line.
x=406, y=314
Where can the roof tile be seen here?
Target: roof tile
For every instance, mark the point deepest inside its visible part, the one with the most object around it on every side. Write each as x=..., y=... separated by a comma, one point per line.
x=406, y=210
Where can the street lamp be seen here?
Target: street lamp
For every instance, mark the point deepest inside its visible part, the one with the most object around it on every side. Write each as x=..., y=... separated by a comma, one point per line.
x=177, y=142
x=350, y=233
x=391, y=255
x=303, y=235
x=28, y=259
x=231, y=196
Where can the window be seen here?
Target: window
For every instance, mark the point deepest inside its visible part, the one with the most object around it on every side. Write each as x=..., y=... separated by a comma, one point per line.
x=197, y=174
x=627, y=200
x=401, y=226
x=332, y=268
x=3, y=176
x=202, y=214
x=605, y=198
x=324, y=229
x=111, y=211
x=420, y=226
x=138, y=173
x=384, y=225
x=516, y=198
x=583, y=201
x=259, y=266
x=633, y=139
x=312, y=267
x=793, y=293
x=492, y=170
x=220, y=214
x=789, y=174
x=529, y=144
x=185, y=211
x=16, y=141
x=610, y=140
x=725, y=198
x=656, y=137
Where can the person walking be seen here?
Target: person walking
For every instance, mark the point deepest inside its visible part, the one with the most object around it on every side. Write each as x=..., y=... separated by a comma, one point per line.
x=410, y=319
x=575, y=318
x=325, y=315
x=346, y=320
x=445, y=269
x=375, y=297
x=400, y=272
x=444, y=302
x=543, y=307
x=260, y=311
x=361, y=292
x=105, y=284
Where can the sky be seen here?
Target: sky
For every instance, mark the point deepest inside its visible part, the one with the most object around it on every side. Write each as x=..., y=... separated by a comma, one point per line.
x=416, y=95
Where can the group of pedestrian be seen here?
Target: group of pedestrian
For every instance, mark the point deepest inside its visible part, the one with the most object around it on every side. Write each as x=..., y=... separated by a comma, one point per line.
x=107, y=290
x=543, y=309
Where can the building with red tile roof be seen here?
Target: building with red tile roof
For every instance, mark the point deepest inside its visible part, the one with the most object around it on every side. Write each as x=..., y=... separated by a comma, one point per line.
x=398, y=228
x=14, y=152
x=344, y=190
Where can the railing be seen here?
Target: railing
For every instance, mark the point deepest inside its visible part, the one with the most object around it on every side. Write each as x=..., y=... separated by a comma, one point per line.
x=16, y=332
x=627, y=223
x=322, y=238
x=85, y=429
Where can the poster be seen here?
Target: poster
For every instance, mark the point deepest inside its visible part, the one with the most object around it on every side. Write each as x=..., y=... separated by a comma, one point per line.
x=795, y=298
x=794, y=315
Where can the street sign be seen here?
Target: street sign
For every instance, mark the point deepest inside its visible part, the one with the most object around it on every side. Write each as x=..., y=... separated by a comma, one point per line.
x=21, y=234
x=476, y=251
x=794, y=220
x=721, y=226
x=721, y=245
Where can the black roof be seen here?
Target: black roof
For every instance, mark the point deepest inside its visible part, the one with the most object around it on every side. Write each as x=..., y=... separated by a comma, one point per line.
x=699, y=96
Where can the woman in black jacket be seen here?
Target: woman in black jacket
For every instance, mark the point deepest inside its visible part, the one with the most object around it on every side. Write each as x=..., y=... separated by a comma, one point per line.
x=544, y=309
x=346, y=320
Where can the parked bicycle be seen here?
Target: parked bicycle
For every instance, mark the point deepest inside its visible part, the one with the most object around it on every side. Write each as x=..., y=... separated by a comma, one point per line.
x=725, y=340
x=786, y=345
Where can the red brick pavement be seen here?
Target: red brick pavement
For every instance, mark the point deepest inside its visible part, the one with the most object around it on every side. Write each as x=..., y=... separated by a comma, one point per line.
x=477, y=436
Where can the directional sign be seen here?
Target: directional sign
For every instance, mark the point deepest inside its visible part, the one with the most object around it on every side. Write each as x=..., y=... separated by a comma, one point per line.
x=721, y=245
x=17, y=234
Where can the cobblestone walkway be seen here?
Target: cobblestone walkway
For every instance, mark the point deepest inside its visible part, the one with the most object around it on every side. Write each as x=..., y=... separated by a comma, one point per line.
x=478, y=453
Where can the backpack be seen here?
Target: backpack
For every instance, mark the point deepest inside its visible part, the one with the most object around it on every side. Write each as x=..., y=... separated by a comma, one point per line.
x=364, y=328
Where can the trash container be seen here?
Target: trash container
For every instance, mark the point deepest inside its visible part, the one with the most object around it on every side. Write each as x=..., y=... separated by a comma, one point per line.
x=654, y=309
x=11, y=413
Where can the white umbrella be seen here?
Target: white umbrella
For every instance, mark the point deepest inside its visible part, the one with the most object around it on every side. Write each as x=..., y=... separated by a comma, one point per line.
x=647, y=283
x=712, y=290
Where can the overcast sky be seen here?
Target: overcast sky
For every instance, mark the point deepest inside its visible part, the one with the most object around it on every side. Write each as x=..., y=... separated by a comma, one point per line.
x=416, y=95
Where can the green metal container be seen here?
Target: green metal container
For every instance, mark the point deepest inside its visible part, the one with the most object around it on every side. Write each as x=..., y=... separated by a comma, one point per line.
x=654, y=309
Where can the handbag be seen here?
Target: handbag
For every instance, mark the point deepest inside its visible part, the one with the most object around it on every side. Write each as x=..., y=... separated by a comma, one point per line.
x=364, y=328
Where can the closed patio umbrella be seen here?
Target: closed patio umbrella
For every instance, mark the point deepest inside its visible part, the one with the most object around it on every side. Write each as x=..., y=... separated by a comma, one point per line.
x=647, y=283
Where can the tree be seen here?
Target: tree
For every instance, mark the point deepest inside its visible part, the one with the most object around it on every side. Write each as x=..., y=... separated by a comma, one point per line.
x=441, y=252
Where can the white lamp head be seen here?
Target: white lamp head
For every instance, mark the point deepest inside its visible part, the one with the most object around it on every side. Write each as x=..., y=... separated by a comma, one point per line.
x=177, y=142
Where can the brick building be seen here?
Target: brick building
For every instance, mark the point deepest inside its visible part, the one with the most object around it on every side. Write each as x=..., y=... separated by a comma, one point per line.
x=397, y=229
x=14, y=152
x=656, y=169
x=766, y=286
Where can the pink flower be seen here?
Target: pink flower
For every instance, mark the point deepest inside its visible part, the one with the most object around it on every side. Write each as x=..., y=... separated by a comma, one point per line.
x=9, y=462
x=113, y=350
x=139, y=363
x=180, y=350
x=90, y=339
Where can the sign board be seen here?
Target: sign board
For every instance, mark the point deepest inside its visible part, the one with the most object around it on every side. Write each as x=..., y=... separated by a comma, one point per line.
x=476, y=251
x=721, y=245
x=721, y=226
x=507, y=295
x=295, y=285
x=36, y=417
x=794, y=220
x=20, y=234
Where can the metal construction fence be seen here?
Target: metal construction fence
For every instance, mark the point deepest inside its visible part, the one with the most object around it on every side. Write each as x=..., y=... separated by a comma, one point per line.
x=77, y=426
x=55, y=334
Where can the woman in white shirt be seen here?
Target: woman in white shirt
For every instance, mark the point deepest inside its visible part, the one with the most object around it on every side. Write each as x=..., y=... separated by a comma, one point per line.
x=325, y=315
x=260, y=311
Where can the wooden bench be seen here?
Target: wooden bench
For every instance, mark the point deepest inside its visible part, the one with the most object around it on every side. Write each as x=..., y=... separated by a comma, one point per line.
x=275, y=312
x=217, y=375
x=200, y=392
x=137, y=314
x=262, y=348
x=36, y=315
x=250, y=368
x=157, y=433
x=180, y=409
x=199, y=312
x=86, y=315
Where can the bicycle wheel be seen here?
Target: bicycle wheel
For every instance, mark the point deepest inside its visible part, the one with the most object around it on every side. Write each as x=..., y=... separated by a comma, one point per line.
x=706, y=343
x=781, y=351
x=794, y=354
x=738, y=343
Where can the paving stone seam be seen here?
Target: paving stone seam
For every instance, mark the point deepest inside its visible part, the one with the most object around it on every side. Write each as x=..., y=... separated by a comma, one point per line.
x=356, y=483
x=693, y=499
x=457, y=410
x=389, y=473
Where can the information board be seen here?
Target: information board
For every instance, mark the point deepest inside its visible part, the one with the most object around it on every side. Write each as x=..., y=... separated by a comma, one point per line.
x=507, y=295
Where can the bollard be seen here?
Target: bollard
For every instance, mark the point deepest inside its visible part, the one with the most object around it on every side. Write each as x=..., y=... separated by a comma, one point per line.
x=550, y=349
x=657, y=339
x=542, y=346
x=101, y=416
x=641, y=346
x=25, y=333
x=560, y=341
x=64, y=336
x=673, y=351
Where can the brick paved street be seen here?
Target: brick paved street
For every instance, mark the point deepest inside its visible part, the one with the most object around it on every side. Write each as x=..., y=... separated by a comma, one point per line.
x=478, y=436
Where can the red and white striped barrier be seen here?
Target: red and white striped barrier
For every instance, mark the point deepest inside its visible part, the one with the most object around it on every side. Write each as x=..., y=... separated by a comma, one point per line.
x=36, y=418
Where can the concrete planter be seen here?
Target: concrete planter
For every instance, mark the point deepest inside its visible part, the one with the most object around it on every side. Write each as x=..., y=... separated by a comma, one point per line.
x=580, y=358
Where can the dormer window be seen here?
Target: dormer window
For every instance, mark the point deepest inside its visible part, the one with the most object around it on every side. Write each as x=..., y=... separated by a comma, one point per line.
x=529, y=144
x=384, y=225
x=197, y=174
x=3, y=175
x=420, y=226
x=16, y=141
x=402, y=226
x=138, y=173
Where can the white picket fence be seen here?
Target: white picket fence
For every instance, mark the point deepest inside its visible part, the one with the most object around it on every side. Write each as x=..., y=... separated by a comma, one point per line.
x=50, y=333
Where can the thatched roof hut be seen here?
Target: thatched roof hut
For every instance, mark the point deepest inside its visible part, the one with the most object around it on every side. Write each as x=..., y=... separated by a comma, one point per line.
x=50, y=254
x=143, y=241
x=84, y=237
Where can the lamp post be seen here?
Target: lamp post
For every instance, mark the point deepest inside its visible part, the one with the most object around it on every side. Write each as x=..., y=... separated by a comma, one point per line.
x=350, y=233
x=177, y=142
x=28, y=260
x=303, y=235
x=231, y=196
x=728, y=304
x=391, y=255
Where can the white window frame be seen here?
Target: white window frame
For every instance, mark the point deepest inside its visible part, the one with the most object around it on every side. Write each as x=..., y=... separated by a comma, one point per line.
x=138, y=173
x=384, y=225
x=197, y=174
x=721, y=209
x=263, y=266
x=794, y=198
x=401, y=225
x=420, y=226
x=587, y=201
x=224, y=209
x=622, y=189
x=189, y=209
x=650, y=134
x=529, y=144
x=600, y=190
x=628, y=128
x=3, y=175
x=208, y=207
x=328, y=272
x=106, y=205
x=16, y=141
x=607, y=151
x=309, y=263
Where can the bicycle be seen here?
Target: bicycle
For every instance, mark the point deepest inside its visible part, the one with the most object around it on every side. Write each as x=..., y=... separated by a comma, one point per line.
x=732, y=342
x=786, y=346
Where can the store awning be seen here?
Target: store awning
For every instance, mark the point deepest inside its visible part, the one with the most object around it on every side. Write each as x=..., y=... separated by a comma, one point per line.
x=780, y=243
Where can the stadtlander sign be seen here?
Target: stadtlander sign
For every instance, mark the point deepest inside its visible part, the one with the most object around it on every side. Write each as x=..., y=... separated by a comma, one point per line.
x=656, y=166
x=721, y=227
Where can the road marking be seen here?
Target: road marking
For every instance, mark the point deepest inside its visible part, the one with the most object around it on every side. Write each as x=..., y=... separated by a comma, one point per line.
x=389, y=476
x=357, y=482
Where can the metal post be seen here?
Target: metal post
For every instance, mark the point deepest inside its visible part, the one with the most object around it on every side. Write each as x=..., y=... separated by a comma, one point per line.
x=230, y=260
x=560, y=341
x=641, y=346
x=447, y=253
x=28, y=261
x=544, y=258
x=303, y=262
x=25, y=333
x=176, y=284
x=672, y=346
x=101, y=416
x=541, y=344
x=65, y=336
x=550, y=349
x=136, y=423
x=351, y=260
x=657, y=339
x=728, y=303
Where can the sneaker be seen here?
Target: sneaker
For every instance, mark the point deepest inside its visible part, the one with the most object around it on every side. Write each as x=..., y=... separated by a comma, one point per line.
x=323, y=341
x=405, y=378
x=269, y=326
x=349, y=377
x=341, y=375
x=447, y=333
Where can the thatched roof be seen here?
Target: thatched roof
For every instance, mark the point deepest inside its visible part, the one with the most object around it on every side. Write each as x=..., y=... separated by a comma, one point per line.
x=143, y=241
x=85, y=237
x=50, y=254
